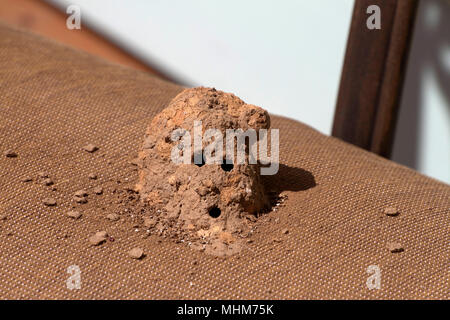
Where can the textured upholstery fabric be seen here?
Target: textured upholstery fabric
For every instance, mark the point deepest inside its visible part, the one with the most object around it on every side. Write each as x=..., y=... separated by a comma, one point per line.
x=54, y=100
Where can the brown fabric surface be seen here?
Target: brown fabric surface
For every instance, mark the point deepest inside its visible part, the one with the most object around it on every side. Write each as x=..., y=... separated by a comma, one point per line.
x=54, y=100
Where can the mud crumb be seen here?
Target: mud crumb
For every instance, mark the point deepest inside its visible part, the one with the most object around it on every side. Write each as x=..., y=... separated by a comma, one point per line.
x=285, y=231
x=10, y=154
x=391, y=211
x=3, y=217
x=80, y=196
x=149, y=222
x=92, y=176
x=81, y=193
x=74, y=214
x=80, y=200
x=98, y=190
x=136, y=253
x=47, y=182
x=50, y=202
x=113, y=217
x=27, y=179
x=98, y=238
x=90, y=148
x=395, y=247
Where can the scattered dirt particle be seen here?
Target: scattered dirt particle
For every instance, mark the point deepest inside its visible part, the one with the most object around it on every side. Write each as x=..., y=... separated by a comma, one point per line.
x=202, y=191
x=98, y=190
x=74, y=214
x=149, y=222
x=208, y=183
x=285, y=231
x=80, y=200
x=81, y=193
x=50, y=202
x=3, y=217
x=277, y=240
x=10, y=154
x=98, y=238
x=90, y=148
x=111, y=239
x=172, y=180
x=113, y=217
x=226, y=237
x=395, y=247
x=391, y=211
x=92, y=176
x=27, y=179
x=47, y=182
x=136, y=253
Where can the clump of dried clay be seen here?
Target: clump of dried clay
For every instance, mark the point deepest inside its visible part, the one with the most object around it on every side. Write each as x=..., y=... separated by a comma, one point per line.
x=210, y=201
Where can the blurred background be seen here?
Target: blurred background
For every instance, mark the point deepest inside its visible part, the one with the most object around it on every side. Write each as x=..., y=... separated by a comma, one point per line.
x=284, y=56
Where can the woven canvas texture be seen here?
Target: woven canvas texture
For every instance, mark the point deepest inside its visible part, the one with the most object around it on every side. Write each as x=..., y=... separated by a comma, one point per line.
x=54, y=100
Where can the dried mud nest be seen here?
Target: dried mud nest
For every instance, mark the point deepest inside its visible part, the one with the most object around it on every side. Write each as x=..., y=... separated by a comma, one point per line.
x=211, y=205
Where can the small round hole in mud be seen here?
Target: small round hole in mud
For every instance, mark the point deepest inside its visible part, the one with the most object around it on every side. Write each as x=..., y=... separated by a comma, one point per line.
x=214, y=212
x=226, y=166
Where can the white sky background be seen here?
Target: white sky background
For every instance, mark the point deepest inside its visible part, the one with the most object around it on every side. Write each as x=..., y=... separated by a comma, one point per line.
x=285, y=56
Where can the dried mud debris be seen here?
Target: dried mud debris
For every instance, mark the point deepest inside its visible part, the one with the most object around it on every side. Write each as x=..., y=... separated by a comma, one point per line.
x=395, y=247
x=98, y=190
x=391, y=211
x=136, y=253
x=90, y=148
x=47, y=182
x=81, y=193
x=80, y=196
x=92, y=176
x=80, y=200
x=113, y=217
x=10, y=154
x=146, y=222
x=50, y=202
x=98, y=238
x=74, y=214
